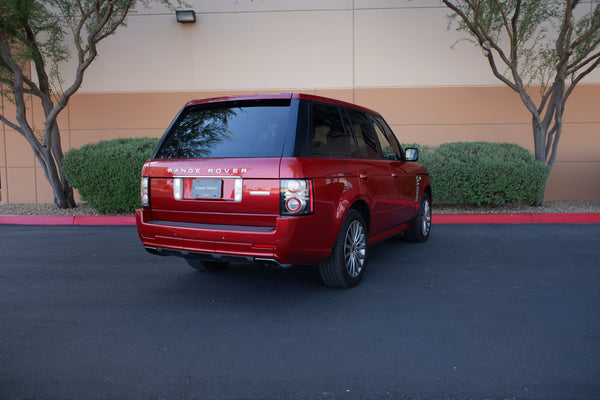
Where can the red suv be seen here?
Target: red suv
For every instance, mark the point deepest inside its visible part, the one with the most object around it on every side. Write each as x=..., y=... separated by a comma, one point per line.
x=281, y=179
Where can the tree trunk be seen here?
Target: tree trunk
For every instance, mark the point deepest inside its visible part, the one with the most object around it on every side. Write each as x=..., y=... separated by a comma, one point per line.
x=62, y=192
x=547, y=131
x=539, y=139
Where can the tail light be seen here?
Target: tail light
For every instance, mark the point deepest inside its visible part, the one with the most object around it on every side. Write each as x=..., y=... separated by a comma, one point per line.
x=296, y=197
x=145, y=192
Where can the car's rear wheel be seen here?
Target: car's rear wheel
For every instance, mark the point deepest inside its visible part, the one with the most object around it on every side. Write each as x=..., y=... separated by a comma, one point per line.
x=346, y=265
x=421, y=225
x=205, y=265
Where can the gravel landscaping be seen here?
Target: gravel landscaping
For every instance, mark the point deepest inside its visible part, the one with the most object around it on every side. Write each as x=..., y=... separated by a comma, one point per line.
x=550, y=207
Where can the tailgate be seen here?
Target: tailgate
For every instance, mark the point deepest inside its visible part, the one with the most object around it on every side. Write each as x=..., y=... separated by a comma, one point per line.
x=240, y=191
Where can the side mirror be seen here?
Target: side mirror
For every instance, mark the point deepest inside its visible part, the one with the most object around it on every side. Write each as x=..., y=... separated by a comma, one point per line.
x=411, y=154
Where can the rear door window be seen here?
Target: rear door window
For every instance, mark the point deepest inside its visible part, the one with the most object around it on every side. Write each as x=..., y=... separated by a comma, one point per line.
x=243, y=129
x=366, y=137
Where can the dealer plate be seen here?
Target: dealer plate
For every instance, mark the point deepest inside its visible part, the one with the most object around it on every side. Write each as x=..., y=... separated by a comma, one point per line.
x=207, y=189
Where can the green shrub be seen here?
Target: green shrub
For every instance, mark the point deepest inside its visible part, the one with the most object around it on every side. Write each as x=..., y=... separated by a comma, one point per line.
x=484, y=173
x=107, y=174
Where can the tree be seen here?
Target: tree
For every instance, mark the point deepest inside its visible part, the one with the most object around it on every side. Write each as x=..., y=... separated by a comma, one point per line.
x=35, y=34
x=550, y=43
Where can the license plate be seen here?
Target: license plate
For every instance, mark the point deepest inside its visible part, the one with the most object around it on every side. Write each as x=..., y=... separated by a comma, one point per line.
x=207, y=189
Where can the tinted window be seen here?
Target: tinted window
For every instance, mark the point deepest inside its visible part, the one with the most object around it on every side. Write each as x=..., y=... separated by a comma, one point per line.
x=365, y=134
x=234, y=130
x=327, y=132
x=391, y=138
x=388, y=149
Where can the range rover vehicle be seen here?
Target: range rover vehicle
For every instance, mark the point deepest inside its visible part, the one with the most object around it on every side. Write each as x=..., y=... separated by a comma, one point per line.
x=281, y=179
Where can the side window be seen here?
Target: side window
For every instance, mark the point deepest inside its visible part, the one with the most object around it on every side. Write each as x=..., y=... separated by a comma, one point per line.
x=389, y=144
x=365, y=134
x=328, y=137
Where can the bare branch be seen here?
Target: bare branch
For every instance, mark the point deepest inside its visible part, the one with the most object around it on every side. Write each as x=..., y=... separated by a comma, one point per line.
x=578, y=63
x=38, y=60
x=545, y=97
x=572, y=69
x=515, y=29
x=11, y=124
x=554, y=103
x=95, y=35
x=554, y=150
x=582, y=75
x=485, y=41
x=33, y=89
x=498, y=74
x=586, y=35
x=564, y=36
x=509, y=31
x=550, y=136
x=17, y=83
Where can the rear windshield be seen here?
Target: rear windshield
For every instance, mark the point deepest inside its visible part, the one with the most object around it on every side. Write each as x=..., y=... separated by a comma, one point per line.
x=241, y=129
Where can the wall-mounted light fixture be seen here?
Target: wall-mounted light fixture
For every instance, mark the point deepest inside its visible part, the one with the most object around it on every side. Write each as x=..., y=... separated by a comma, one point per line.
x=185, y=16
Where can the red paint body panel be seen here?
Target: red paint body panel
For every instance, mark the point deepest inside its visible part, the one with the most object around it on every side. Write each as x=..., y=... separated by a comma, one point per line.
x=297, y=240
x=294, y=240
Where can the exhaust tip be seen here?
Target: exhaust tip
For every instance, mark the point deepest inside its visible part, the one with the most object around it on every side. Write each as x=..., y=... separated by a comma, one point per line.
x=152, y=250
x=271, y=262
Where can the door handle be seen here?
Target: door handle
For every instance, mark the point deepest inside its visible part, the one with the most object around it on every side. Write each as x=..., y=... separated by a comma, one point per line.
x=394, y=174
x=363, y=175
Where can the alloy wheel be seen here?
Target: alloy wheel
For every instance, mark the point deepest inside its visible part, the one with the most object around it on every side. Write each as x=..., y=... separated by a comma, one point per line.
x=355, y=249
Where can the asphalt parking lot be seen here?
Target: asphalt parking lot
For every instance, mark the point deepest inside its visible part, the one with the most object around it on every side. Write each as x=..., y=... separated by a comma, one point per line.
x=477, y=312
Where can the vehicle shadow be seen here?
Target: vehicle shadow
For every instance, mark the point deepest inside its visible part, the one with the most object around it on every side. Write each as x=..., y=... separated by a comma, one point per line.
x=245, y=283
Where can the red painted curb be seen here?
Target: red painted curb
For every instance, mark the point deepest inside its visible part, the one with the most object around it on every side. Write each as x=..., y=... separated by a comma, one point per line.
x=66, y=220
x=105, y=220
x=515, y=218
x=566, y=218
x=35, y=220
x=481, y=218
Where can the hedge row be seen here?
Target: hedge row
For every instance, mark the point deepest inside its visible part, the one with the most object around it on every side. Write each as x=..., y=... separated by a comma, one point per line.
x=107, y=174
x=484, y=173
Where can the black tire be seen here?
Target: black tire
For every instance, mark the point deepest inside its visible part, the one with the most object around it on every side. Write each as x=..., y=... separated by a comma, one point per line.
x=421, y=225
x=346, y=265
x=204, y=265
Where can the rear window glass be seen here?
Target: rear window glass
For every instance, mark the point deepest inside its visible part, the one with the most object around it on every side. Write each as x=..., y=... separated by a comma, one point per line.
x=228, y=130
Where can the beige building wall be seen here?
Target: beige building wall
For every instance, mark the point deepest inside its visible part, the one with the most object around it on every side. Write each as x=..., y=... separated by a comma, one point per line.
x=394, y=56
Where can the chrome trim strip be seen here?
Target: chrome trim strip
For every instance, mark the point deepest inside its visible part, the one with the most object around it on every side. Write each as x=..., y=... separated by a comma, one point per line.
x=238, y=190
x=418, y=184
x=178, y=180
x=208, y=176
x=178, y=188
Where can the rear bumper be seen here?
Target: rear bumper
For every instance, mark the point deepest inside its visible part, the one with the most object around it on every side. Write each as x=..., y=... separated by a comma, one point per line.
x=293, y=240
